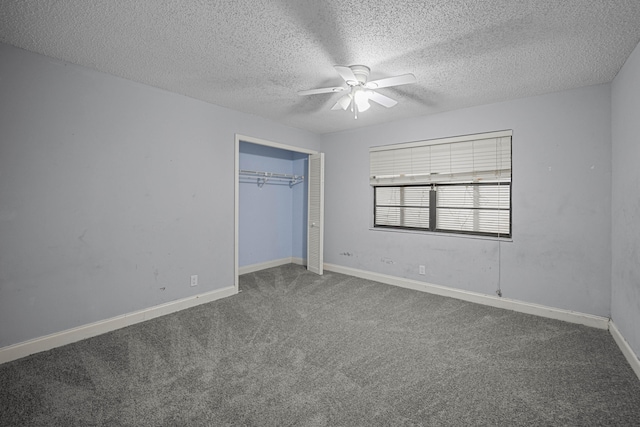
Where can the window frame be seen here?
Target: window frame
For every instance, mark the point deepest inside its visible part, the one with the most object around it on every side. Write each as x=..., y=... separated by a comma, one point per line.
x=406, y=177
x=433, y=207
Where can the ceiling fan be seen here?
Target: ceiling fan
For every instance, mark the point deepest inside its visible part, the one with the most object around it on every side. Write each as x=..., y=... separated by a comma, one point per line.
x=361, y=90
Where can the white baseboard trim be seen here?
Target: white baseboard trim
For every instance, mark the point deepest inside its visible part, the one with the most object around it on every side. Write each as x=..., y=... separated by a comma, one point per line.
x=626, y=349
x=19, y=350
x=269, y=264
x=263, y=265
x=506, y=303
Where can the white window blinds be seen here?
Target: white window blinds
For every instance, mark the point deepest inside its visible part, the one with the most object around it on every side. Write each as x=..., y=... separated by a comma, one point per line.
x=454, y=185
x=471, y=158
x=402, y=206
x=474, y=208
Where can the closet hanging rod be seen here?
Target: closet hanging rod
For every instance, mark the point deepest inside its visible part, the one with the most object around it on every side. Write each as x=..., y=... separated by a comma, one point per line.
x=263, y=177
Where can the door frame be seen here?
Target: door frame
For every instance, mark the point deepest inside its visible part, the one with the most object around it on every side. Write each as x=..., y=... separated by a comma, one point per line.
x=259, y=141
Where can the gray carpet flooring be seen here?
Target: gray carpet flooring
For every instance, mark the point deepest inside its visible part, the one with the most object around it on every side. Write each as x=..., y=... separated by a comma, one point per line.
x=297, y=349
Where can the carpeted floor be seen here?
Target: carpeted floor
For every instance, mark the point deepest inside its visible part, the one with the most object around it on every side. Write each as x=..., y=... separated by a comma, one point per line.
x=297, y=349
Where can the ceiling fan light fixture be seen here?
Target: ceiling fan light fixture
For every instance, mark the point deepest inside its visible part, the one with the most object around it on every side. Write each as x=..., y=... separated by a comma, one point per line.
x=363, y=106
x=361, y=98
x=343, y=103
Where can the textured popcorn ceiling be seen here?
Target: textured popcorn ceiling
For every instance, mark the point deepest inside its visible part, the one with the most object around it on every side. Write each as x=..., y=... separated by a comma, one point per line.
x=254, y=55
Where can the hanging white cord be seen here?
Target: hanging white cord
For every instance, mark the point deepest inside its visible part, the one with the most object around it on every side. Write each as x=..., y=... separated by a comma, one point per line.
x=499, y=290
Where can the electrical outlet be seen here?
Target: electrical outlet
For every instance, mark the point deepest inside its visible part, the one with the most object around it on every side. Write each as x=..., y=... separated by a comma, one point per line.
x=422, y=270
x=194, y=280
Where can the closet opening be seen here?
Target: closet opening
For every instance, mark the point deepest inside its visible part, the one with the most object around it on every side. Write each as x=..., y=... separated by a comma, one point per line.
x=272, y=222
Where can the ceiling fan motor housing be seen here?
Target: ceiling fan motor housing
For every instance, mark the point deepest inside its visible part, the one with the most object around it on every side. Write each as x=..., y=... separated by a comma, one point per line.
x=362, y=74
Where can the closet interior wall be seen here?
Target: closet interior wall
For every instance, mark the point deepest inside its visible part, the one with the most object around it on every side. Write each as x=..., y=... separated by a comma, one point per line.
x=272, y=215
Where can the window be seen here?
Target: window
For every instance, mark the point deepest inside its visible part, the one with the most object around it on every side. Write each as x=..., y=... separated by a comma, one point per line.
x=453, y=185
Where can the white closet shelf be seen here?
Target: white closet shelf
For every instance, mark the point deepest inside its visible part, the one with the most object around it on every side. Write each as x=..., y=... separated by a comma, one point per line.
x=264, y=177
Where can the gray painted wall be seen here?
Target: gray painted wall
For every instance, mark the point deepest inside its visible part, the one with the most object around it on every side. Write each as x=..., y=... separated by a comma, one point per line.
x=560, y=255
x=625, y=280
x=112, y=194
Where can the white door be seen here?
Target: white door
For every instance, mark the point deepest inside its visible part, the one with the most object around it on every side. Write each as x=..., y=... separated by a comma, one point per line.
x=315, y=228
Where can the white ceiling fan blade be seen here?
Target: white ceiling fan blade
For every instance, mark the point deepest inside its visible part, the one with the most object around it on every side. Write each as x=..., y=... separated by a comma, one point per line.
x=343, y=103
x=391, y=81
x=321, y=90
x=346, y=73
x=382, y=99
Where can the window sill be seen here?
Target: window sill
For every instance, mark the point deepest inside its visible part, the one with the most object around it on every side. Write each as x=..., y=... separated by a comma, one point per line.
x=435, y=233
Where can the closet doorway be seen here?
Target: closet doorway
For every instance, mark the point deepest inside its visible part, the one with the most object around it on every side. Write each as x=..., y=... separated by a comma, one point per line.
x=279, y=198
